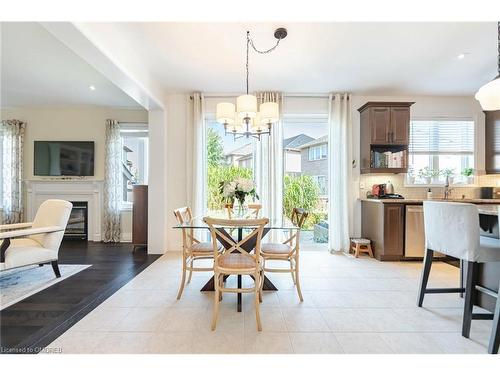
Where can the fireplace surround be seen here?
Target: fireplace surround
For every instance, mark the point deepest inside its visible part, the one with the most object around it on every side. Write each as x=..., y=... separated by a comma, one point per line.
x=87, y=191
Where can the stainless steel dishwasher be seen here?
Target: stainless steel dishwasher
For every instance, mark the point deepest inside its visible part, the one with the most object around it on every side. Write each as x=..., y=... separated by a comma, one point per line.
x=415, y=233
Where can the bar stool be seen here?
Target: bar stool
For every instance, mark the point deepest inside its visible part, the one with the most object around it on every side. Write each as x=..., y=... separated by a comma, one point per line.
x=453, y=229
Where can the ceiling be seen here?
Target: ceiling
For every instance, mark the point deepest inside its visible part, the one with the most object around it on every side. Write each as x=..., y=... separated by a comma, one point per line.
x=38, y=70
x=362, y=58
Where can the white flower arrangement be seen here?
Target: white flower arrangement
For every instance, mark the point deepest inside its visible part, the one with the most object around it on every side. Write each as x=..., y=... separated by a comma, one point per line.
x=239, y=189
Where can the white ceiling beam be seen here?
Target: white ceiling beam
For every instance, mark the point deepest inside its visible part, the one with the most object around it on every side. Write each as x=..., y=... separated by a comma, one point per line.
x=98, y=51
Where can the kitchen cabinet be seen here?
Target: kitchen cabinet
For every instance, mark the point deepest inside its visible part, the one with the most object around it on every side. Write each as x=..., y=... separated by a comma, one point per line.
x=492, y=142
x=400, y=125
x=384, y=225
x=384, y=128
x=380, y=118
x=394, y=230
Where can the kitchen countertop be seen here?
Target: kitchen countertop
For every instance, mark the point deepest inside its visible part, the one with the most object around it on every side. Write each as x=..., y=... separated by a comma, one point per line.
x=493, y=210
x=419, y=201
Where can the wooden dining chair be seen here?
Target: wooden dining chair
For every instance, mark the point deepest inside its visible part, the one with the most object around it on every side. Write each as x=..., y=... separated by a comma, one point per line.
x=192, y=248
x=235, y=260
x=253, y=208
x=288, y=250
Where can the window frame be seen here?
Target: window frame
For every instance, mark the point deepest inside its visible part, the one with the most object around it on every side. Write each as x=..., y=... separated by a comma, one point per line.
x=434, y=158
x=1, y=169
x=323, y=177
x=317, y=152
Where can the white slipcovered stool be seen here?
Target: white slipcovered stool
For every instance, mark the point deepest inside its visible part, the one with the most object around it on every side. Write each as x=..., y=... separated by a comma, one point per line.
x=453, y=229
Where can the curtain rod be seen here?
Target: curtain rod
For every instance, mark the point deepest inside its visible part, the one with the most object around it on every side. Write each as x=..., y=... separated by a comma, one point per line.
x=305, y=95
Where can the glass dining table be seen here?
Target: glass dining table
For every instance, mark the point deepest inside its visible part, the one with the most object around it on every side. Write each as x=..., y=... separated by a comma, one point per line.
x=197, y=224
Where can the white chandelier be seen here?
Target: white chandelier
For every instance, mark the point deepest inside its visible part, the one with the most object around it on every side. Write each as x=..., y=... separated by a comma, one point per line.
x=489, y=94
x=245, y=119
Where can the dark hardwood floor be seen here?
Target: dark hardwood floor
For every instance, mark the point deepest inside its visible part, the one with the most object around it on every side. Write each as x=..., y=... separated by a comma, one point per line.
x=30, y=325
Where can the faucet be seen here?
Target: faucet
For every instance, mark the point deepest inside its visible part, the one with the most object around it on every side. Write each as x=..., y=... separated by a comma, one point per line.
x=447, y=189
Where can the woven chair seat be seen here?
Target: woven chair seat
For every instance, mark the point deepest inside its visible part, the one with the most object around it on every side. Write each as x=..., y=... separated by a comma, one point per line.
x=202, y=247
x=276, y=249
x=236, y=262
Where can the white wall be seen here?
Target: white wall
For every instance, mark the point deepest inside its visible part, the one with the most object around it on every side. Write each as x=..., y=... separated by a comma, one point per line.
x=157, y=191
x=293, y=162
x=178, y=163
x=76, y=124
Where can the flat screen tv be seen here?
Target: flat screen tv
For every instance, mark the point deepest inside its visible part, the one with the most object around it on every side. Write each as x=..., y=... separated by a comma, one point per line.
x=63, y=158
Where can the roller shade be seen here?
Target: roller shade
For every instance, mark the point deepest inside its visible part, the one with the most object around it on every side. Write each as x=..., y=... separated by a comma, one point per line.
x=134, y=129
x=442, y=137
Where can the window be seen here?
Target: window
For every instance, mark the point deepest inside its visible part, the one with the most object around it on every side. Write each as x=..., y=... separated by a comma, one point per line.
x=438, y=148
x=227, y=158
x=318, y=152
x=305, y=175
x=321, y=182
x=135, y=142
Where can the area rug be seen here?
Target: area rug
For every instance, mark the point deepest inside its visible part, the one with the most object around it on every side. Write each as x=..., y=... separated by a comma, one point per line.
x=20, y=283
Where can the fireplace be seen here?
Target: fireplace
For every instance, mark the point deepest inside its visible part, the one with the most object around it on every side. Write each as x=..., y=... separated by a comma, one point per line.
x=77, y=228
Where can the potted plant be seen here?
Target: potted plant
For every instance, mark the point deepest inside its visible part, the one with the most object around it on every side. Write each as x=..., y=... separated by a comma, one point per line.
x=425, y=174
x=435, y=173
x=468, y=173
x=449, y=173
x=238, y=190
x=410, y=176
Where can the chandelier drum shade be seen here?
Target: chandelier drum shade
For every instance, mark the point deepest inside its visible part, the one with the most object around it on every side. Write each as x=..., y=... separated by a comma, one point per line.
x=489, y=94
x=247, y=119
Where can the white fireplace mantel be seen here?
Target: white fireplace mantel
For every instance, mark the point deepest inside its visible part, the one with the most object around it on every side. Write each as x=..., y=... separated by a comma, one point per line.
x=89, y=191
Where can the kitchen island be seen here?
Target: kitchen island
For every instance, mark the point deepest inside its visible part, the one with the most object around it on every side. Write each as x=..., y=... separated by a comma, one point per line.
x=385, y=222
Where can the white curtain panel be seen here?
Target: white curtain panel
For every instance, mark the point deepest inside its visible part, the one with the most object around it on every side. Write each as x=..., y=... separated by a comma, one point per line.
x=113, y=182
x=339, y=171
x=196, y=150
x=268, y=164
x=12, y=132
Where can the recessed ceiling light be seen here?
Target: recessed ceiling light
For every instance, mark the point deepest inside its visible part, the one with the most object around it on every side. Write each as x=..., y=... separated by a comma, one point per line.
x=92, y=87
x=461, y=56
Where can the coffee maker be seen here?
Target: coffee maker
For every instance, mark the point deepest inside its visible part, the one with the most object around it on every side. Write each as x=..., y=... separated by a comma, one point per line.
x=379, y=191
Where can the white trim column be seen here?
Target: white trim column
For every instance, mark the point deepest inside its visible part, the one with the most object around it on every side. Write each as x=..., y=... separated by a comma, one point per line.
x=157, y=191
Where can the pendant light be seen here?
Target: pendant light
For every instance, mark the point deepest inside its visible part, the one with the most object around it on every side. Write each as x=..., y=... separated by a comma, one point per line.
x=489, y=94
x=246, y=119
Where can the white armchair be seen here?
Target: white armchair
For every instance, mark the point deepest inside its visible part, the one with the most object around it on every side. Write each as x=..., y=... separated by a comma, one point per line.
x=37, y=242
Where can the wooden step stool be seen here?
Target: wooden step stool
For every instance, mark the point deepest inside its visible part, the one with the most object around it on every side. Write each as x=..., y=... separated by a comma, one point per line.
x=361, y=245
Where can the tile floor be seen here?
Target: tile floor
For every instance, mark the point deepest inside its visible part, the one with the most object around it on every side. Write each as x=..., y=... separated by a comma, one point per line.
x=351, y=306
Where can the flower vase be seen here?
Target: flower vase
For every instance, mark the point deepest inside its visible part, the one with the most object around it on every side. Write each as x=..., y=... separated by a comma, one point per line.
x=240, y=208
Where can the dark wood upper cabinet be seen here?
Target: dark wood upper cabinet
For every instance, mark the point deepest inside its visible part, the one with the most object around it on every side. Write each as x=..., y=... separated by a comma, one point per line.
x=380, y=120
x=492, y=144
x=400, y=125
x=384, y=127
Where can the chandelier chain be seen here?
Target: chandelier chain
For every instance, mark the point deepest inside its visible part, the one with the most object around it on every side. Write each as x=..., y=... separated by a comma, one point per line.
x=250, y=42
